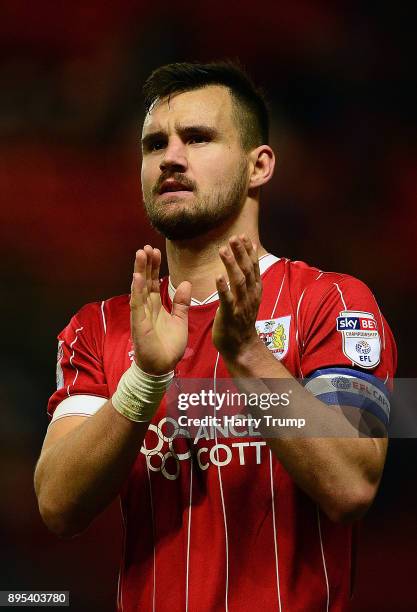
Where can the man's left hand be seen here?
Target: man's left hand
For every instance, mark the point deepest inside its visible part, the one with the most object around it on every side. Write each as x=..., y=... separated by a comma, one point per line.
x=234, y=329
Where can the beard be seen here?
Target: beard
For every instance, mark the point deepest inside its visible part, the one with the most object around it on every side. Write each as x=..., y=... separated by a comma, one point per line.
x=178, y=220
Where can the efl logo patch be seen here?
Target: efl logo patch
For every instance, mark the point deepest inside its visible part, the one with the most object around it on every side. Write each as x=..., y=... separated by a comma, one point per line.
x=275, y=333
x=361, y=341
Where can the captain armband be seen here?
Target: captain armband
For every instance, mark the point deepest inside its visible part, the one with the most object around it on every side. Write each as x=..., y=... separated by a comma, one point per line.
x=139, y=394
x=348, y=387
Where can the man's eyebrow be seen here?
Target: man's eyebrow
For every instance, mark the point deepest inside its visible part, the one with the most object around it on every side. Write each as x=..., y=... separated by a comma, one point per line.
x=196, y=129
x=183, y=131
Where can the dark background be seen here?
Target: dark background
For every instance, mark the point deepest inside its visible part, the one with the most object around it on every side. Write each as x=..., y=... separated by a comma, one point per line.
x=340, y=82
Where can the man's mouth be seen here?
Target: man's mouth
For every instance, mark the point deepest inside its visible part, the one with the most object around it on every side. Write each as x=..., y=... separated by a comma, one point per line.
x=170, y=186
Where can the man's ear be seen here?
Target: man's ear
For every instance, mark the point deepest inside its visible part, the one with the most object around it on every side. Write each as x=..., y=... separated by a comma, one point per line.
x=262, y=164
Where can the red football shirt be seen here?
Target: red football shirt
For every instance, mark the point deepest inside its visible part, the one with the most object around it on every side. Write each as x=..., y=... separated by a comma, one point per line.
x=217, y=523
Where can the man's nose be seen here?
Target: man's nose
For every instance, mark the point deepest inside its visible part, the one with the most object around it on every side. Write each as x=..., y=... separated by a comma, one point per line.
x=175, y=157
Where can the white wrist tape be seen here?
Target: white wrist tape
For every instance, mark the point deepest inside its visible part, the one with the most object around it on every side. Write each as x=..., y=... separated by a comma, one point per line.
x=139, y=394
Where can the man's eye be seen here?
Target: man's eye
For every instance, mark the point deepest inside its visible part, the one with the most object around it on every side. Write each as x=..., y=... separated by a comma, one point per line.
x=197, y=139
x=157, y=145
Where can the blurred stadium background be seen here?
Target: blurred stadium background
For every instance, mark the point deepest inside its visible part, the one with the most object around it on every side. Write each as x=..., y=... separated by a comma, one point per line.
x=340, y=82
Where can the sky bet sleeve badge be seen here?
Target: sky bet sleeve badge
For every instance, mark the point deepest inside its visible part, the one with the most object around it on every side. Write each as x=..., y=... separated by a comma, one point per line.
x=275, y=333
x=361, y=342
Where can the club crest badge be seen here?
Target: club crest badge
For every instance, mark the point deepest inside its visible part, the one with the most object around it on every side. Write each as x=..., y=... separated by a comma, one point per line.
x=275, y=333
x=360, y=337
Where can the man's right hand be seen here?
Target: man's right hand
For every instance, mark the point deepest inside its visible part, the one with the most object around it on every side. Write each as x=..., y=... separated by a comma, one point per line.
x=159, y=338
x=71, y=492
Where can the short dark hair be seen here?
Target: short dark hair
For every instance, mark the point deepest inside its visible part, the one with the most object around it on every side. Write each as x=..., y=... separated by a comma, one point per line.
x=251, y=110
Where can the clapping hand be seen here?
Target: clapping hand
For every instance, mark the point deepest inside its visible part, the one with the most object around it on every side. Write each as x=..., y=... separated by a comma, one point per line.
x=234, y=325
x=159, y=337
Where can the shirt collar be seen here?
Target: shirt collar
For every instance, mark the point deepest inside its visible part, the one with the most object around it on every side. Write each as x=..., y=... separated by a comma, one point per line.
x=265, y=262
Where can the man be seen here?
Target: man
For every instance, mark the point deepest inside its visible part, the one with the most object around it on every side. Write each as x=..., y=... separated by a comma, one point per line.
x=218, y=523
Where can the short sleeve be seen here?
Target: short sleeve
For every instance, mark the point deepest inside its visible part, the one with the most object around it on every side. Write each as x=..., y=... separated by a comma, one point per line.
x=341, y=325
x=81, y=382
x=348, y=353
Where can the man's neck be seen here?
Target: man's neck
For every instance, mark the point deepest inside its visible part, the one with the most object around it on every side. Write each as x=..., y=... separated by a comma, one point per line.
x=198, y=261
